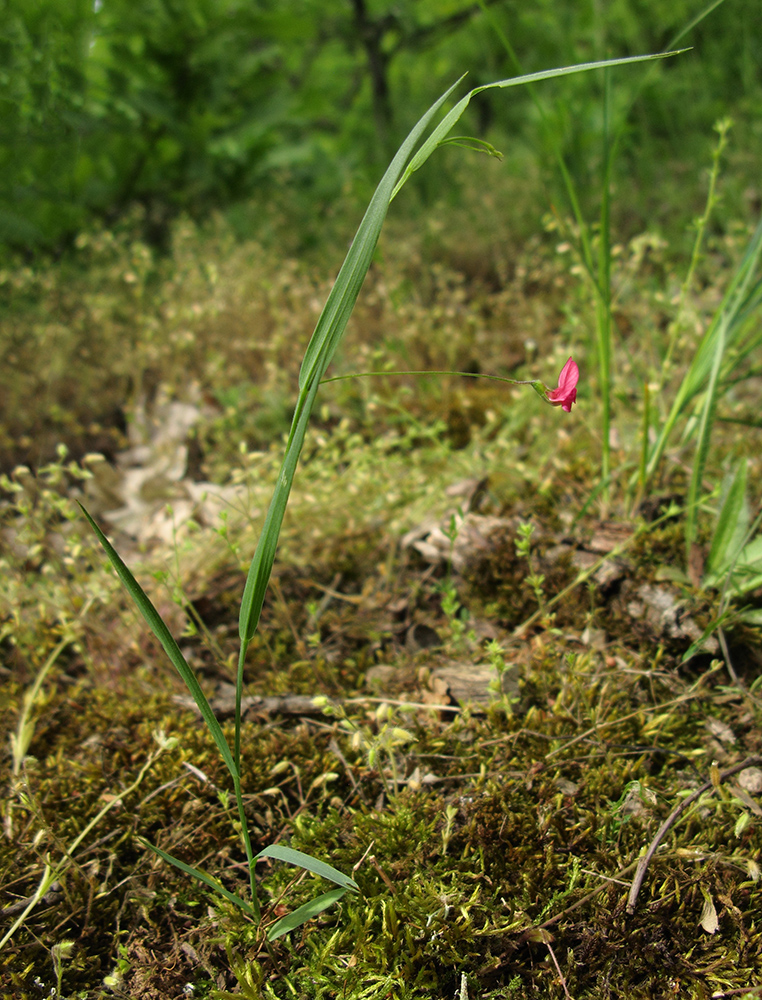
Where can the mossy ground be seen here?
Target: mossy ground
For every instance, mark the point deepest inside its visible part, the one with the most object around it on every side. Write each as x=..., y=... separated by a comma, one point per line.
x=495, y=845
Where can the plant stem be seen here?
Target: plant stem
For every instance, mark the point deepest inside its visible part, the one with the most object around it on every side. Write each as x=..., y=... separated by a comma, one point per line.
x=679, y=809
x=722, y=128
x=603, y=299
x=246, y=842
x=644, y=444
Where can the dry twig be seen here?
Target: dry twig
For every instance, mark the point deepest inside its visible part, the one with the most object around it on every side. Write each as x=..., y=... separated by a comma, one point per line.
x=644, y=862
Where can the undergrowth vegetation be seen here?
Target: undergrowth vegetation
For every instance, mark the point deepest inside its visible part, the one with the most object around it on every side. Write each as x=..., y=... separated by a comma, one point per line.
x=215, y=324
x=507, y=689
x=476, y=834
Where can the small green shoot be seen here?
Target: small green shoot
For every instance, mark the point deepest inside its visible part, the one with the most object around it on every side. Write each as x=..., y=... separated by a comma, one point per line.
x=730, y=528
x=734, y=563
x=732, y=335
x=524, y=551
x=59, y=953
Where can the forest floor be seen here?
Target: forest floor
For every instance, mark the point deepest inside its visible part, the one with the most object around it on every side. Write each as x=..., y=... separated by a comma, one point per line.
x=506, y=719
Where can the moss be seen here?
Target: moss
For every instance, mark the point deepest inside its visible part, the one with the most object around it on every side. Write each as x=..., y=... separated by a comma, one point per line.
x=524, y=839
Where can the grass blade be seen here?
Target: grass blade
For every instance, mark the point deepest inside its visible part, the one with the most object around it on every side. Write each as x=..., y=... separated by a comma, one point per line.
x=729, y=322
x=749, y=566
x=603, y=298
x=306, y=912
x=724, y=618
x=202, y=877
x=450, y=119
x=292, y=857
x=702, y=445
x=332, y=323
x=162, y=633
x=713, y=5
x=320, y=350
x=732, y=524
x=49, y=875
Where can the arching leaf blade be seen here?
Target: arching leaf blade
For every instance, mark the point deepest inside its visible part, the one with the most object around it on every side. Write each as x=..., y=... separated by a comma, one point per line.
x=306, y=912
x=292, y=857
x=165, y=637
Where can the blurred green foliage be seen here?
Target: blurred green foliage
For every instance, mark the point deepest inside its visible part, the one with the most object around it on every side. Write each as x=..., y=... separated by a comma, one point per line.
x=190, y=105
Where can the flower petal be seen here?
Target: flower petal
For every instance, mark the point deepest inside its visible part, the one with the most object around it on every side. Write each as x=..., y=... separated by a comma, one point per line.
x=566, y=393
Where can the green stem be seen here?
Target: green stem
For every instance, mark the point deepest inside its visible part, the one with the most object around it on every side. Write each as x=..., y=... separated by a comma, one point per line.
x=264, y=557
x=539, y=387
x=644, y=443
x=702, y=446
x=25, y=728
x=246, y=842
x=585, y=243
x=701, y=224
x=603, y=300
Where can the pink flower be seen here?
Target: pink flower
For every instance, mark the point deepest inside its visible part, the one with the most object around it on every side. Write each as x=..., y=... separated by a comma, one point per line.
x=566, y=393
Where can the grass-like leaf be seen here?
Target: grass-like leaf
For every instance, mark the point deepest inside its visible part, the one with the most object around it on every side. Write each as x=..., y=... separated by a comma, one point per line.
x=702, y=445
x=752, y=616
x=162, y=633
x=746, y=575
x=202, y=877
x=732, y=324
x=292, y=857
x=306, y=912
x=723, y=619
x=320, y=350
x=438, y=136
x=732, y=524
x=332, y=323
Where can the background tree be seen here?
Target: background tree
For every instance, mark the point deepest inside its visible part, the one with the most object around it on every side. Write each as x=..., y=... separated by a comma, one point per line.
x=192, y=105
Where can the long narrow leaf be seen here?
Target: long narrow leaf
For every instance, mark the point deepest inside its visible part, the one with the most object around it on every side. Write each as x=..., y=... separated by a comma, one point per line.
x=746, y=575
x=335, y=315
x=444, y=127
x=713, y=5
x=744, y=572
x=202, y=877
x=320, y=350
x=702, y=445
x=729, y=321
x=732, y=523
x=162, y=633
x=603, y=298
x=306, y=912
x=333, y=320
x=698, y=644
x=292, y=857
x=753, y=616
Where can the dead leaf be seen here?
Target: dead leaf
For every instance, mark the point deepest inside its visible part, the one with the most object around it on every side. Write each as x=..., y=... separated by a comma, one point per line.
x=607, y=535
x=465, y=682
x=708, y=919
x=750, y=779
x=696, y=564
x=721, y=730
